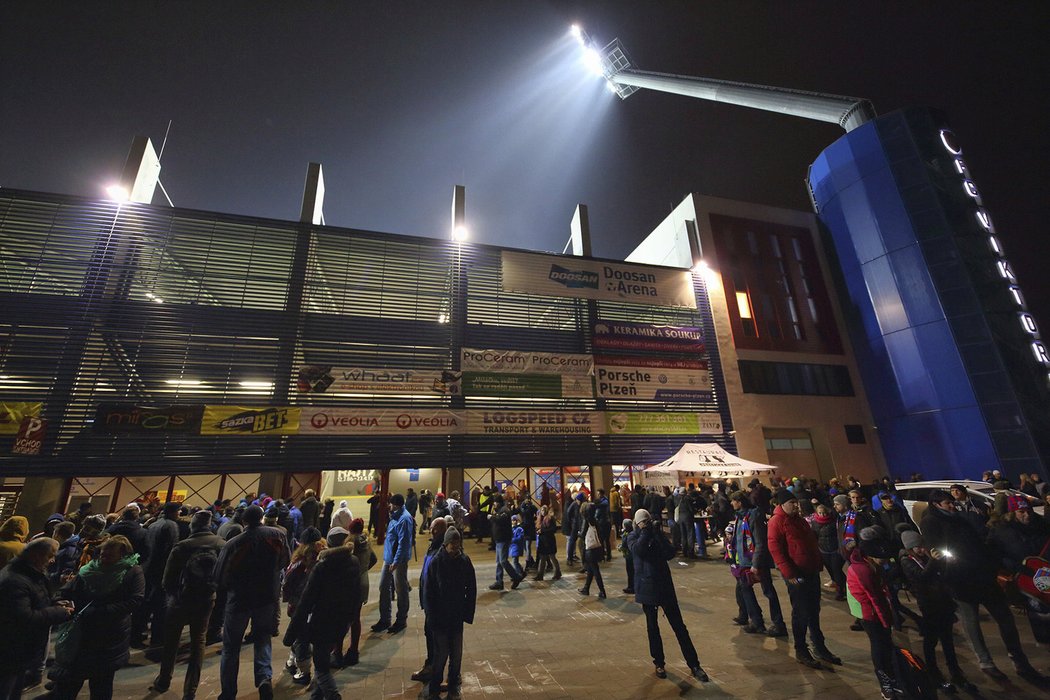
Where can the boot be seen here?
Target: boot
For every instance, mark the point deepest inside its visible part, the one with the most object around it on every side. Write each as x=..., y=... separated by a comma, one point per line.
x=557, y=571
x=887, y=686
x=540, y=571
x=423, y=674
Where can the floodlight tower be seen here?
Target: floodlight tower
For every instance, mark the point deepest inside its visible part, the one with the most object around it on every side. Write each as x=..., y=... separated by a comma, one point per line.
x=612, y=63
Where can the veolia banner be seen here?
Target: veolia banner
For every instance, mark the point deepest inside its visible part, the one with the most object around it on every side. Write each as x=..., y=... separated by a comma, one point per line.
x=380, y=421
x=581, y=278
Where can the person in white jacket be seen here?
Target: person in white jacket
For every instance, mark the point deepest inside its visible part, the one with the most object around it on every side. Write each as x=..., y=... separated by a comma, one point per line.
x=342, y=517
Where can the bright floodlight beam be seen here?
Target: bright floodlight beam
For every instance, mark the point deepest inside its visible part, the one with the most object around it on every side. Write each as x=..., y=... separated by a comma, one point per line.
x=460, y=233
x=118, y=193
x=847, y=112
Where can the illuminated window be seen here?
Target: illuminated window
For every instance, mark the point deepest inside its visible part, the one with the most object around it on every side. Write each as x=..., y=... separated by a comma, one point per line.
x=743, y=305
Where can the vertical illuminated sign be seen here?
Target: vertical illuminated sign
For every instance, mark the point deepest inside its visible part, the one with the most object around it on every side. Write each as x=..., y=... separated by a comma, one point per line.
x=984, y=219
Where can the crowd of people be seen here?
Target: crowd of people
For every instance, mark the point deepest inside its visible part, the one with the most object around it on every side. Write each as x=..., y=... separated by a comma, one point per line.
x=81, y=593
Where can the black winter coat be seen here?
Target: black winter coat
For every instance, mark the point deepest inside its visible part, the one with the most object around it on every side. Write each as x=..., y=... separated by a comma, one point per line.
x=26, y=615
x=926, y=582
x=136, y=534
x=330, y=599
x=452, y=591
x=528, y=519
x=547, y=542
x=311, y=511
x=973, y=565
x=652, y=576
x=1013, y=541
x=571, y=521
x=500, y=524
x=106, y=624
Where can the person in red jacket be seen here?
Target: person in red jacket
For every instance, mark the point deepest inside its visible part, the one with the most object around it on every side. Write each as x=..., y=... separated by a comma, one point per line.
x=796, y=553
x=866, y=584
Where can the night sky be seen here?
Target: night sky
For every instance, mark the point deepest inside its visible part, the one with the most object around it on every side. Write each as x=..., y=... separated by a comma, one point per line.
x=400, y=101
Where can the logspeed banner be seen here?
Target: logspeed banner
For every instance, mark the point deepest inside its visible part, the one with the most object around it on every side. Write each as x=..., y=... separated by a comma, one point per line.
x=624, y=335
x=12, y=413
x=656, y=383
x=365, y=380
x=540, y=386
x=480, y=422
x=380, y=421
x=655, y=423
x=239, y=420
x=563, y=276
x=521, y=362
x=123, y=418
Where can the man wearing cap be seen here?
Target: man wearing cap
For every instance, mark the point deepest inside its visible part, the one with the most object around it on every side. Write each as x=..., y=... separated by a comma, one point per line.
x=654, y=589
x=893, y=518
x=163, y=535
x=970, y=570
x=966, y=503
x=187, y=604
x=397, y=548
x=249, y=570
x=796, y=552
x=326, y=609
x=452, y=593
x=437, y=540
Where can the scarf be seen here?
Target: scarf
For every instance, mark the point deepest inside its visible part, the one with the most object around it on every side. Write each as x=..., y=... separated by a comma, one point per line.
x=745, y=530
x=849, y=533
x=103, y=581
x=822, y=520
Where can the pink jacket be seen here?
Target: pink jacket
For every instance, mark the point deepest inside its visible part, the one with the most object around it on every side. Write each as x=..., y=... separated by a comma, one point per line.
x=868, y=587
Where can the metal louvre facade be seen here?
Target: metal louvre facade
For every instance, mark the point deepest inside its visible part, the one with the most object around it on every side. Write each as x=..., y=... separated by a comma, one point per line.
x=103, y=303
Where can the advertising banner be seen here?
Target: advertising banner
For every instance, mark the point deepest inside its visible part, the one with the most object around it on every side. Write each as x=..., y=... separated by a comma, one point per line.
x=482, y=422
x=579, y=278
x=239, y=420
x=546, y=386
x=624, y=335
x=643, y=361
x=656, y=383
x=365, y=380
x=380, y=421
x=30, y=437
x=123, y=418
x=12, y=413
x=521, y=362
x=657, y=423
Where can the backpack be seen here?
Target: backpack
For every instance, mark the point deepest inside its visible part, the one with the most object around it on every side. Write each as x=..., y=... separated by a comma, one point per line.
x=913, y=678
x=197, y=579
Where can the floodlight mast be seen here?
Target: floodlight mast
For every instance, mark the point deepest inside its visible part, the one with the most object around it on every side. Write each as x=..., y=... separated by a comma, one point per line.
x=847, y=112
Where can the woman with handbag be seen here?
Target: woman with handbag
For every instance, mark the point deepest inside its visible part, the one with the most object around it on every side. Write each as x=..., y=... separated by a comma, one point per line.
x=96, y=642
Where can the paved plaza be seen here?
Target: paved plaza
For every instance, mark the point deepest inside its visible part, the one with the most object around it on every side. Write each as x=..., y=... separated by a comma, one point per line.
x=545, y=640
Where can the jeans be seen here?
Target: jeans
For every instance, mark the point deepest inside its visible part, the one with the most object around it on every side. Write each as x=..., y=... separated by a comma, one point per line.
x=570, y=546
x=516, y=565
x=882, y=648
x=776, y=615
x=502, y=564
x=686, y=534
x=153, y=607
x=176, y=618
x=101, y=685
x=448, y=648
x=324, y=683
x=529, y=546
x=629, y=561
x=699, y=532
x=234, y=623
x=994, y=601
x=656, y=646
x=746, y=594
x=805, y=612
x=591, y=564
x=388, y=581
x=604, y=536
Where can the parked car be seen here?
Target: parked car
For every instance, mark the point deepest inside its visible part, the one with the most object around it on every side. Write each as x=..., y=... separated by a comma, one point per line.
x=916, y=495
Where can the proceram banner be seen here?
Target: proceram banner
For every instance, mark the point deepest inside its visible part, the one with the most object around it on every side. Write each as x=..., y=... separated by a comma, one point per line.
x=481, y=422
x=240, y=420
x=579, y=278
x=365, y=380
x=521, y=362
x=659, y=423
x=655, y=383
x=623, y=335
x=380, y=421
x=12, y=413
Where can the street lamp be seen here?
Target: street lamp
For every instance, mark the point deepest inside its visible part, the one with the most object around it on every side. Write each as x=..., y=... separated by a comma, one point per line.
x=613, y=64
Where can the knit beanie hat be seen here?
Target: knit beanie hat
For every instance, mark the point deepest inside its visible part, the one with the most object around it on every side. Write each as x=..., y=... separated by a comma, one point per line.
x=628, y=524
x=336, y=536
x=452, y=535
x=875, y=532
x=310, y=535
x=642, y=517
x=911, y=539
x=1015, y=503
x=783, y=496
x=875, y=548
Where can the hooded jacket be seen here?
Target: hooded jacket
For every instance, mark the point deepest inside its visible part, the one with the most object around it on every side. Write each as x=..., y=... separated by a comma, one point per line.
x=972, y=565
x=329, y=600
x=13, y=535
x=793, y=545
x=869, y=588
x=26, y=615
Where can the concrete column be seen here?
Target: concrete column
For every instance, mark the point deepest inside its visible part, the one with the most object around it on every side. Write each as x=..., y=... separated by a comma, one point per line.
x=313, y=196
x=581, y=231
x=40, y=497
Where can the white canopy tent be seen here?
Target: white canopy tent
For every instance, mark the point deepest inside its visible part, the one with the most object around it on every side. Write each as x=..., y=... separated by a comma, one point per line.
x=707, y=460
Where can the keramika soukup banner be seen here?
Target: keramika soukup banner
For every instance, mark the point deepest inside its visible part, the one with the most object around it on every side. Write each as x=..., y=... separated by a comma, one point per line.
x=12, y=413
x=627, y=335
x=581, y=278
x=242, y=420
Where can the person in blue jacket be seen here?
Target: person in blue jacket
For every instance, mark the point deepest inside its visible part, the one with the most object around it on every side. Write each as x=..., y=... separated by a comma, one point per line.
x=397, y=548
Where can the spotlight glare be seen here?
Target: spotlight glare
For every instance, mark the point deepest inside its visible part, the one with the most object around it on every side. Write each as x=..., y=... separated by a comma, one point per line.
x=593, y=60
x=117, y=193
x=612, y=86
x=460, y=233
x=576, y=32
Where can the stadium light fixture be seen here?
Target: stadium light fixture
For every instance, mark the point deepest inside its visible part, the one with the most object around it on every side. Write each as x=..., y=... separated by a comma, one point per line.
x=118, y=193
